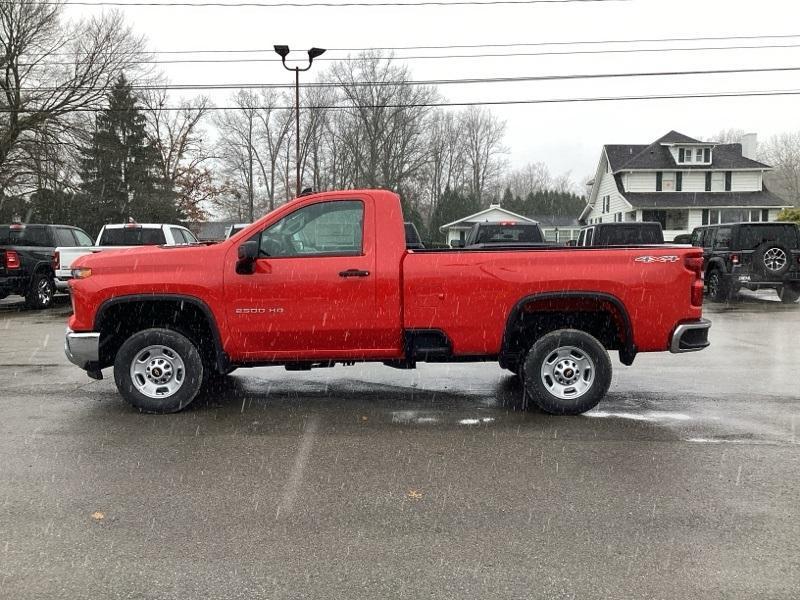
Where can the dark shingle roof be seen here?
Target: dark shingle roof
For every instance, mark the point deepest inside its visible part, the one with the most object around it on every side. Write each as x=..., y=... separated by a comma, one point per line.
x=657, y=156
x=703, y=199
x=674, y=137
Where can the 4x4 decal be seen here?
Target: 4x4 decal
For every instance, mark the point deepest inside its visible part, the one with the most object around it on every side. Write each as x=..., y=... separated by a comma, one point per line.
x=656, y=259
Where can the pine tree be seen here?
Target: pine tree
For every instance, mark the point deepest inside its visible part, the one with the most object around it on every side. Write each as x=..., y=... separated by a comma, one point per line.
x=120, y=174
x=452, y=206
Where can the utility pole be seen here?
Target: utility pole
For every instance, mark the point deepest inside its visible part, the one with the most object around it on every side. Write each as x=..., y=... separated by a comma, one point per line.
x=283, y=52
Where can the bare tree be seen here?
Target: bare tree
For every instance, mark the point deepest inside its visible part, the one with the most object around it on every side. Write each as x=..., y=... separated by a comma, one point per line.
x=782, y=152
x=51, y=70
x=236, y=148
x=483, y=148
x=533, y=177
x=728, y=136
x=381, y=126
x=179, y=140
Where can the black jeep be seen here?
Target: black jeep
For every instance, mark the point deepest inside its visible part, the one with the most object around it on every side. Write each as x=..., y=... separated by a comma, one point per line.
x=752, y=256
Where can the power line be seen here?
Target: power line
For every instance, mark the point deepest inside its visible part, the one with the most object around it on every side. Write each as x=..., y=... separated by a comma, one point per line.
x=313, y=4
x=742, y=94
x=477, y=46
x=461, y=56
x=466, y=81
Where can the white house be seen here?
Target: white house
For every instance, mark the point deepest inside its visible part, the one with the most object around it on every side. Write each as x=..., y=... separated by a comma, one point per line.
x=682, y=183
x=457, y=230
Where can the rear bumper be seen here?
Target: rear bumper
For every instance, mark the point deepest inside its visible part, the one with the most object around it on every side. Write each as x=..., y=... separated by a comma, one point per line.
x=82, y=349
x=690, y=337
x=13, y=284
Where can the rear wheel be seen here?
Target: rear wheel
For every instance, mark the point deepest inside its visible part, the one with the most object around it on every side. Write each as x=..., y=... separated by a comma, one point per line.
x=718, y=289
x=566, y=372
x=789, y=295
x=158, y=371
x=40, y=293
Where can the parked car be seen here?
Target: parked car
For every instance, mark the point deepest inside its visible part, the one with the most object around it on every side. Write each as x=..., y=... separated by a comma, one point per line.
x=119, y=236
x=751, y=256
x=27, y=256
x=683, y=238
x=503, y=233
x=621, y=234
x=327, y=279
x=235, y=228
x=413, y=241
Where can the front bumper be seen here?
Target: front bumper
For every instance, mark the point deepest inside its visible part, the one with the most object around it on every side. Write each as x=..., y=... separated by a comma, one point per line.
x=82, y=349
x=690, y=337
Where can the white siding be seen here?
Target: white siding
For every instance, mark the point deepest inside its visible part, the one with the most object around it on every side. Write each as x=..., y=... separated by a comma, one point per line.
x=607, y=187
x=746, y=181
x=695, y=219
x=640, y=182
x=694, y=181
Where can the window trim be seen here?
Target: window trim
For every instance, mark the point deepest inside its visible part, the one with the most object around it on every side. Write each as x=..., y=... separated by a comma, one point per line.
x=257, y=236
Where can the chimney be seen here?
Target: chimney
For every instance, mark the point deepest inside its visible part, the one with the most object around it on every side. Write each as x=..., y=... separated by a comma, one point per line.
x=750, y=145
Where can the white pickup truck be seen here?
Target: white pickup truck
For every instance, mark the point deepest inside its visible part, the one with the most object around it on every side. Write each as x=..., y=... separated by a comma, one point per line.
x=117, y=237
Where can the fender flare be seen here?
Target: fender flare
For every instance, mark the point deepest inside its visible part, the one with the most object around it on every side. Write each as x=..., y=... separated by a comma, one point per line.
x=627, y=353
x=222, y=360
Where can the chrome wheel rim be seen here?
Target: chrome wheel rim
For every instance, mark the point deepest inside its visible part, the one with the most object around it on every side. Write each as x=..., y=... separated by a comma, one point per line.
x=567, y=372
x=157, y=371
x=713, y=284
x=44, y=292
x=775, y=259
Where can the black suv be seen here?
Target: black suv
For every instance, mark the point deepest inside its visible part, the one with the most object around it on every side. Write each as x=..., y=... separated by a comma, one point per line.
x=752, y=256
x=26, y=259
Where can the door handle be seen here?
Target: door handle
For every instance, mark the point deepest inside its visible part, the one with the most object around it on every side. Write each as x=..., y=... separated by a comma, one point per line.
x=353, y=273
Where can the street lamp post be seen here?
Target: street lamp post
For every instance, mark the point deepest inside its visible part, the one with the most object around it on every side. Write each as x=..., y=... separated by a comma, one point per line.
x=283, y=52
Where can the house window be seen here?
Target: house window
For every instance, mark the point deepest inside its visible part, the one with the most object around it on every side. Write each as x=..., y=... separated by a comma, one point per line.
x=708, y=181
x=681, y=155
x=705, y=216
x=659, y=180
x=698, y=155
x=678, y=181
x=764, y=214
x=707, y=155
x=728, y=177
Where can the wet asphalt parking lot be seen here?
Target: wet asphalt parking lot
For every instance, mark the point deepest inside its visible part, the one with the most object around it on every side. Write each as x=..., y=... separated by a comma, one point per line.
x=367, y=482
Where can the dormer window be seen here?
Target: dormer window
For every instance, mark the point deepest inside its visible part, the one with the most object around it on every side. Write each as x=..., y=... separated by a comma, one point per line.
x=694, y=155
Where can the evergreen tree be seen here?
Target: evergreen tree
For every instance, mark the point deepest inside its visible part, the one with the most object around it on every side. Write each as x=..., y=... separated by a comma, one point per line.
x=452, y=206
x=120, y=168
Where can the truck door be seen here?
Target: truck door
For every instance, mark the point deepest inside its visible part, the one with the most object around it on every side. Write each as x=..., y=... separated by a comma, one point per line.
x=313, y=291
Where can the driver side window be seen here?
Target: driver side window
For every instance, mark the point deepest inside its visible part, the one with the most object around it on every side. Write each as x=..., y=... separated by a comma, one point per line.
x=326, y=228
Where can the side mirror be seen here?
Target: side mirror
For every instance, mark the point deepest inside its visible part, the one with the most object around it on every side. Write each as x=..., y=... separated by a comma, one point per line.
x=248, y=252
x=457, y=244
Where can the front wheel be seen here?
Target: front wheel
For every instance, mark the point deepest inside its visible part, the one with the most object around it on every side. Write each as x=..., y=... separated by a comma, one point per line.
x=567, y=372
x=158, y=371
x=718, y=289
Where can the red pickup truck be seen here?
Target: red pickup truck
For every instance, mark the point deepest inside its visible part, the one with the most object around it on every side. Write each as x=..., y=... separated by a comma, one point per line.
x=327, y=279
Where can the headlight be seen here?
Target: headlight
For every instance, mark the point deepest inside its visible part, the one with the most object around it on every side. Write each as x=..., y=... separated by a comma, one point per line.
x=81, y=273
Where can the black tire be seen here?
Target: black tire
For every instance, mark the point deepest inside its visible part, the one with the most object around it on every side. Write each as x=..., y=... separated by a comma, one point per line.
x=718, y=288
x=772, y=259
x=41, y=292
x=566, y=345
x=789, y=295
x=191, y=378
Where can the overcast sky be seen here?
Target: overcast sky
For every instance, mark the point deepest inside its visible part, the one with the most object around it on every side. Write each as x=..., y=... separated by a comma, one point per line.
x=564, y=136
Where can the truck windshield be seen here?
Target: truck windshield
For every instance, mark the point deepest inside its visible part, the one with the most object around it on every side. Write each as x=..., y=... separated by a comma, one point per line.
x=132, y=236
x=488, y=234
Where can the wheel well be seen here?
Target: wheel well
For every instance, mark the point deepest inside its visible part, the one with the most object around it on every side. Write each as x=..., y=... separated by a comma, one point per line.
x=121, y=319
x=600, y=316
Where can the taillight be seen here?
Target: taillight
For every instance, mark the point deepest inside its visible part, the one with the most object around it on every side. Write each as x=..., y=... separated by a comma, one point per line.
x=735, y=259
x=56, y=262
x=695, y=265
x=12, y=260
